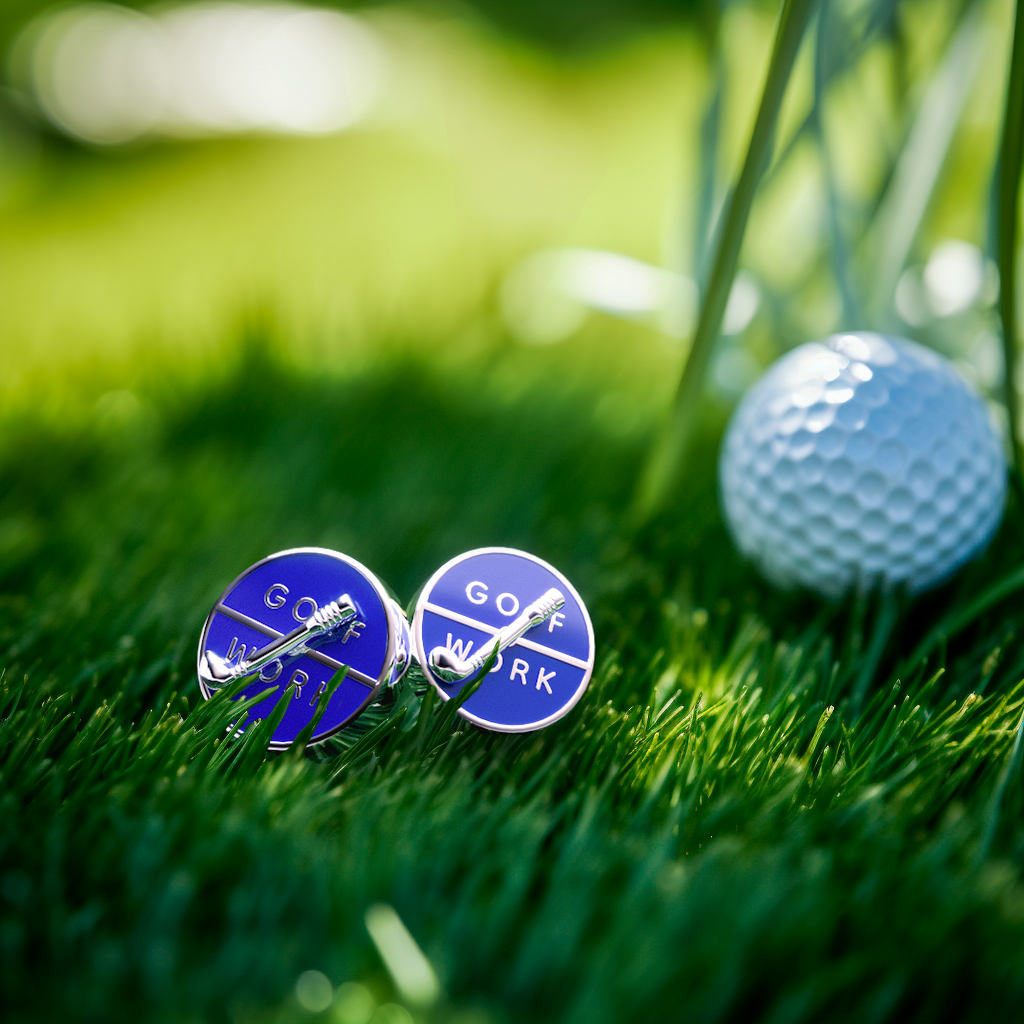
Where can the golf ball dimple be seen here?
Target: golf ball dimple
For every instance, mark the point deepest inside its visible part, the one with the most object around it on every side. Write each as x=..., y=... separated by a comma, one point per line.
x=862, y=460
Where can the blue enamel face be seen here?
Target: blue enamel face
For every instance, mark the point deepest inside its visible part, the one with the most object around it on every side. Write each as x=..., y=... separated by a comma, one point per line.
x=277, y=595
x=535, y=680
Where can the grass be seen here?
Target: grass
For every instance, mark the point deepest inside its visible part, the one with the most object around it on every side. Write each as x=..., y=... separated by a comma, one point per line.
x=715, y=833
x=764, y=809
x=401, y=229
x=670, y=451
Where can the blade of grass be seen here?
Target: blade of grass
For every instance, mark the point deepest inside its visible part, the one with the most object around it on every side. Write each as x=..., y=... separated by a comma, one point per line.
x=824, y=71
x=960, y=618
x=706, y=205
x=1011, y=768
x=367, y=743
x=1007, y=221
x=298, y=747
x=888, y=615
x=906, y=200
x=445, y=718
x=838, y=61
x=253, y=747
x=671, y=447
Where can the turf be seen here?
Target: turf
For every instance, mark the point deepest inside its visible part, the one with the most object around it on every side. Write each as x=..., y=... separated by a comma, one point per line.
x=764, y=809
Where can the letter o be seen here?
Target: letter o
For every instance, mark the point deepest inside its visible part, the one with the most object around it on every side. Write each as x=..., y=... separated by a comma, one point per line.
x=501, y=603
x=276, y=666
x=497, y=663
x=299, y=617
x=274, y=597
x=479, y=596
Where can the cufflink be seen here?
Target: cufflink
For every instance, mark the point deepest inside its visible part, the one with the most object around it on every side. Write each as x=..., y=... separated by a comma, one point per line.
x=514, y=609
x=296, y=618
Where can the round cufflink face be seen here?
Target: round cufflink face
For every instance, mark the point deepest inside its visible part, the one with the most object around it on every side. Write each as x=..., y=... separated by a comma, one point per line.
x=298, y=617
x=499, y=597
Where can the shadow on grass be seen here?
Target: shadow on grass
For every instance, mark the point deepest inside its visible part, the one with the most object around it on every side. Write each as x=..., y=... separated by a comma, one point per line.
x=715, y=833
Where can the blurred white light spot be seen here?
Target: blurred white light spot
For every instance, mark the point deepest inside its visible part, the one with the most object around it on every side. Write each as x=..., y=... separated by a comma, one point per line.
x=547, y=296
x=954, y=277
x=108, y=74
x=84, y=61
x=614, y=284
x=744, y=302
x=409, y=968
x=313, y=991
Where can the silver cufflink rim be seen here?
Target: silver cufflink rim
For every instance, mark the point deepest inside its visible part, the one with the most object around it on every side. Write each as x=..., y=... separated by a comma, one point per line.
x=424, y=656
x=392, y=672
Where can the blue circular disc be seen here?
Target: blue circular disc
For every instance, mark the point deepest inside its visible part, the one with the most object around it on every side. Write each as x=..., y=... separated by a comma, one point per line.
x=276, y=595
x=538, y=678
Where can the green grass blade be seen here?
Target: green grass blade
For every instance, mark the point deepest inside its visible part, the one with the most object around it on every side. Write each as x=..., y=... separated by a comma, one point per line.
x=1007, y=219
x=824, y=72
x=1011, y=768
x=906, y=200
x=253, y=746
x=961, y=618
x=672, y=446
x=298, y=747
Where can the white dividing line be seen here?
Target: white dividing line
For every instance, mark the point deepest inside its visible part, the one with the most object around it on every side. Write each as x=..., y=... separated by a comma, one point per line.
x=494, y=630
x=353, y=673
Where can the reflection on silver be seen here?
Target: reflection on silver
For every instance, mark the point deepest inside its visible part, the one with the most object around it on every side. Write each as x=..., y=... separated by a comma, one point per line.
x=450, y=668
x=403, y=647
x=215, y=671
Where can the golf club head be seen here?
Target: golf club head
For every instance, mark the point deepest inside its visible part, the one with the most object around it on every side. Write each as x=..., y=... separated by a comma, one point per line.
x=448, y=666
x=215, y=671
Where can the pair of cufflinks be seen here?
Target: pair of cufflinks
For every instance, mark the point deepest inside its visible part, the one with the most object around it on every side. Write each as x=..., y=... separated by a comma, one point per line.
x=296, y=618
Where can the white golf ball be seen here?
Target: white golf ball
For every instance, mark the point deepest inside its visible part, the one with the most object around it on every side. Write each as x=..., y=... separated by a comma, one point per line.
x=862, y=460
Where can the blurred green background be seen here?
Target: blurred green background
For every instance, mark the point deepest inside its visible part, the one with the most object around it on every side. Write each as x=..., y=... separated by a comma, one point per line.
x=396, y=235
x=458, y=321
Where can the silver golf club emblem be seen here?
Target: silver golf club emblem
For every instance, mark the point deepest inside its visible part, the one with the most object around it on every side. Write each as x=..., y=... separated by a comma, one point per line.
x=296, y=626
x=450, y=668
x=324, y=623
x=480, y=623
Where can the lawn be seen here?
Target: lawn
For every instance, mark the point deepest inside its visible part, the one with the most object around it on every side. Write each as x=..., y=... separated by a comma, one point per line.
x=765, y=808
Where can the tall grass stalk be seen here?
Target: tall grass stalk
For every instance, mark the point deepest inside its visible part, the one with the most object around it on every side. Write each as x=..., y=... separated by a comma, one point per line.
x=671, y=447
x=897, y=222
x=1011, y=154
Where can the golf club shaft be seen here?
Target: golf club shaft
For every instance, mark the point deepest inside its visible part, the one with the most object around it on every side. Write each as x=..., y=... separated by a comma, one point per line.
x=533, y=615
x=324, y=620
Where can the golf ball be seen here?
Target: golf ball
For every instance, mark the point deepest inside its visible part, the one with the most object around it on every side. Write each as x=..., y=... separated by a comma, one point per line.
x=861, y=460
